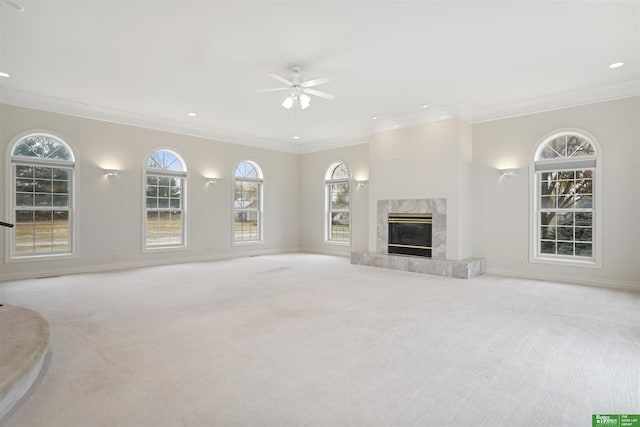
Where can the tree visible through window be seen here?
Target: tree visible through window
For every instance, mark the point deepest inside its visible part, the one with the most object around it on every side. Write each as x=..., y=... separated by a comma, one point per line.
x=42, y=167
x=565, y=167
x=164, y=200
x=247, y=202
x=338, y=203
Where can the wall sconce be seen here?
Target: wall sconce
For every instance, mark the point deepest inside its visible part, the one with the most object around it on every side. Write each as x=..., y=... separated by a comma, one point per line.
x=111, y=172
x=360, y=184
x=211, y=181
x=507, y=173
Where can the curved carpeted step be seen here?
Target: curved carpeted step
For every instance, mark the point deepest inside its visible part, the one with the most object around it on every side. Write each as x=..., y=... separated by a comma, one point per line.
x=24, y=342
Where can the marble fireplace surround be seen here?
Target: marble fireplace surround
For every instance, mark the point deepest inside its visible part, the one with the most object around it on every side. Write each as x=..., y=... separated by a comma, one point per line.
x=437, y=264
x=436, y=207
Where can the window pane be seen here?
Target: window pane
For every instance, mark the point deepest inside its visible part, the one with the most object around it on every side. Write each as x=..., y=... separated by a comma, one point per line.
x=163, y=191
x=24, y=199
x=340, y=172
x=60, y=200
x=25, y=237
x=60, y=187
x=152, y=191
x=245, y=225
x=548, y=233
x=584, y=218
x=578, y=146
x=24, y=185
x=24, y=216
x=547, y=247
x=246, y=170
x=44, y=200
x=153, y=228
x=24, y=171
x=61, y=231
x=565, y=233
x=42, y=146
x=565, y=248
x=152, y=202
x=548, y=202
x=61, y=174
x=340, y=226
x=584, y=249
x=176, y=227
x=565, y=219
x=42, y=172
x=340, y=196
x=583, y=234
x=584, y=201
x=163, y=203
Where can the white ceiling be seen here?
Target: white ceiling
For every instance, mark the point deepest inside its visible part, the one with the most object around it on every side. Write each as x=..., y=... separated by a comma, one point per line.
x=150, y=62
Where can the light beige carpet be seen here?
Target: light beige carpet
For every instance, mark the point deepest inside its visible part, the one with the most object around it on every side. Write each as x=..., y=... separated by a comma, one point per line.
x=312, y=340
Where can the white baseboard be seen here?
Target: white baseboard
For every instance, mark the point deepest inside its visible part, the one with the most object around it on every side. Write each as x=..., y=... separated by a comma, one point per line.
x=346, y=252
x=96, y=268
x=601, y=283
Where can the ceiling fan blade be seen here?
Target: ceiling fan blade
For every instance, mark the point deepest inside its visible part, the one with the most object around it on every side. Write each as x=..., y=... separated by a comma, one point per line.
x=314, y=82
x=321, y=94
x=281, y=79
x=275, y=89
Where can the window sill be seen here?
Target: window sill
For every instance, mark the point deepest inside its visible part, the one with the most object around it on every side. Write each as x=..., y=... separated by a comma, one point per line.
x=47, y=257
x=247, y=243
x=337, y=243
x=566, y=262
x=164, y=249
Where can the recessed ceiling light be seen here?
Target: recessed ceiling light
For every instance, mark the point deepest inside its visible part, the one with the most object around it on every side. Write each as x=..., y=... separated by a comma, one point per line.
x=296, y=137
x=13, y=6
x=4, y=74
x=616, y=65
x=425, y=105
x=192, y=114
x=374, y=117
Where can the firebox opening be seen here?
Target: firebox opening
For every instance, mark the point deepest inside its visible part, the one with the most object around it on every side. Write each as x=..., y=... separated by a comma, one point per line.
x=410, y=234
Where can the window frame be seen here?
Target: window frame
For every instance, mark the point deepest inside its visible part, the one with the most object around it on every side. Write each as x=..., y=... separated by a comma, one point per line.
x=329, y=181
x=11, y=256
x=593, y=163
x=183, y=175
x=259, y=209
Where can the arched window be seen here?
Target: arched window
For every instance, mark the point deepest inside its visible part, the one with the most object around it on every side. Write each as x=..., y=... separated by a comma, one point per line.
x=165, y=190
x=338, y=203
x=247, y=203
x=42, y=167
x=565, y=168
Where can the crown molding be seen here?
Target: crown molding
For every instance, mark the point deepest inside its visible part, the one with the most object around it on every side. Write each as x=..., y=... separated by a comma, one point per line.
x=88, y=111
x=334, y=143
x=531, y=106
x=559, y=101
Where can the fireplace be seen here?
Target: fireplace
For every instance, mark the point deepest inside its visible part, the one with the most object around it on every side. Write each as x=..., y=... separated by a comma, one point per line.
x=410, y=234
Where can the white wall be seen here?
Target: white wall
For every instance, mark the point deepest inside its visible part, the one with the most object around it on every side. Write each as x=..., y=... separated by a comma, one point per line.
x=313, y=167
x=110, y=209
x=488, y=216
x=502, y=205
x=432, y=160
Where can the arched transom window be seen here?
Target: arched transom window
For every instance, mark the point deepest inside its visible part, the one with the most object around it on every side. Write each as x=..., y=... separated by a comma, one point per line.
x=165, y=212
x=42, y=173
x=338, y=203
x=247, y=202
x=565, y=198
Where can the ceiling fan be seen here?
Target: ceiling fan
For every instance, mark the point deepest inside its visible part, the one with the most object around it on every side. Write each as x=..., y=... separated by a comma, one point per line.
x=299, y=89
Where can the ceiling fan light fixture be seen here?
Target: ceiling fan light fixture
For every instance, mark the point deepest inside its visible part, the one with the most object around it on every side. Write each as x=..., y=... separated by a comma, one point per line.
x=305, y=100
x=288, y=103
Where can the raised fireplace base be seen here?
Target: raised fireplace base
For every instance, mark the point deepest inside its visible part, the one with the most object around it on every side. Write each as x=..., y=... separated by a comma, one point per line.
x=466, y=268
